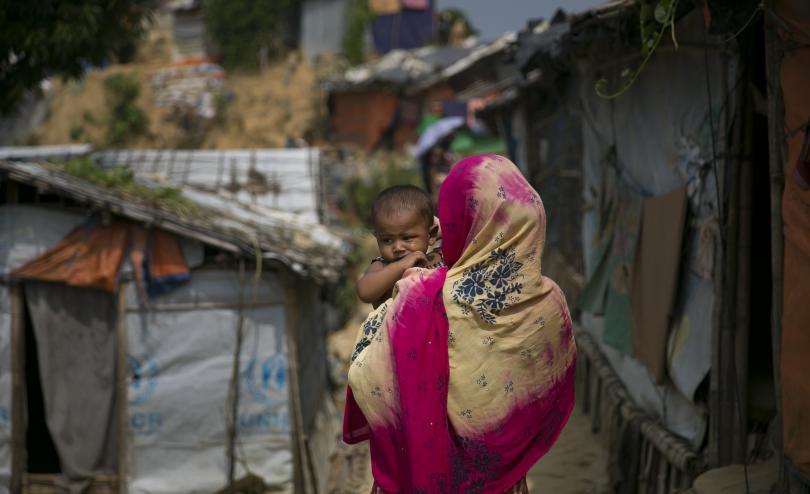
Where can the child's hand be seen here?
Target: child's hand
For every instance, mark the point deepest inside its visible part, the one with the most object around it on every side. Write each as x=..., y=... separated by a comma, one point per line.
x=413, y=259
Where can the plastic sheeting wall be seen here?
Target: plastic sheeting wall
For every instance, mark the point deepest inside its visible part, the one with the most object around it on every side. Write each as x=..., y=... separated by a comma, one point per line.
x=661, y=130
x=316, y=406
x=28, y=231
x=180, y=363
x=5, y=390
x=322, y=26
x=25, y=232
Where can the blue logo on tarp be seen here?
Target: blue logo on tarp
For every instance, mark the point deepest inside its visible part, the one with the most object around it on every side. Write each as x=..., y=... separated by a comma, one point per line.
x=265, y=382
x=5, y=418
x=143, y=379
x=145, y=423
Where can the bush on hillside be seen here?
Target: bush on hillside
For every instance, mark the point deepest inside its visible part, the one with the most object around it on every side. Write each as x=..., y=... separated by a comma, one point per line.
x=126, y=120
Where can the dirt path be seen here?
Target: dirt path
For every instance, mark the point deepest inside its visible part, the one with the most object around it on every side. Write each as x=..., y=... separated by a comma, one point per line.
x=577, y=464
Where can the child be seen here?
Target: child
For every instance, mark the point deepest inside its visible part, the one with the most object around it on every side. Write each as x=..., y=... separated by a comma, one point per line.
x=405, y=228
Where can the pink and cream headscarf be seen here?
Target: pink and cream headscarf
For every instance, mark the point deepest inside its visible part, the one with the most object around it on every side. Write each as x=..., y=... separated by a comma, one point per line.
x=465, y=378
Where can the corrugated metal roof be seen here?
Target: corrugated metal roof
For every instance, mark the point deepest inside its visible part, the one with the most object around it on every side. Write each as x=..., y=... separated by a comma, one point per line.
x=560, y=38
x=398, y=68
x=463, y=64
x=547, y=39
x=306, y=247
x=65, y=151
x=281, y=179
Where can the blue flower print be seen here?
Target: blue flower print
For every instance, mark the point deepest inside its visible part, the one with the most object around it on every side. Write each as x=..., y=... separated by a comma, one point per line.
x=495, y=302
x=370, y=327
x=473, y=285
x=491, y=286
x=501, y=276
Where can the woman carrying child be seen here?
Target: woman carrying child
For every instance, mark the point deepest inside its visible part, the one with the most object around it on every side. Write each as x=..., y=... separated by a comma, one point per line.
x=464, y=379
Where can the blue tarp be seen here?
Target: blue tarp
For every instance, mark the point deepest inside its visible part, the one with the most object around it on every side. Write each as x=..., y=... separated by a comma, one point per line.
x=404, y=30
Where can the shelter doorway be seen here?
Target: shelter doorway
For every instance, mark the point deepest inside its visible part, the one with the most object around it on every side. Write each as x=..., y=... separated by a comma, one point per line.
x=41, y=457
x=71, y=404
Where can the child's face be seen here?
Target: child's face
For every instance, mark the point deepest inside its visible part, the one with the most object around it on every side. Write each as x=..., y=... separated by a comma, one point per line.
x=401, y=233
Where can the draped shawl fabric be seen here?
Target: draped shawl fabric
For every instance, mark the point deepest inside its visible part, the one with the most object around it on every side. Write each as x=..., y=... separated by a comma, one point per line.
x=465, y=378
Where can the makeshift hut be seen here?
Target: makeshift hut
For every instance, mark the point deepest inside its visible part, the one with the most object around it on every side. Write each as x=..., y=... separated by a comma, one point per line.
x=282, y=179
x=368, y=105
x=480, y=74
x=691, y=352
x=158, y=340
x=188, y=29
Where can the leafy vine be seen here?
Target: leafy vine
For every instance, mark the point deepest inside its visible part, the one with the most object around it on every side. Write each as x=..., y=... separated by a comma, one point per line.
x=655, y=19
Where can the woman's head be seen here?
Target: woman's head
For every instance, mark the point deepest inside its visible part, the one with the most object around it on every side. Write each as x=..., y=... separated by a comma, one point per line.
x=403, y=221
x=485, y=203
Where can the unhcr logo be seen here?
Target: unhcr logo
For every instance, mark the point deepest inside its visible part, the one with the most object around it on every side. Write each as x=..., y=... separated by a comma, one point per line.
x=265, y=383
x=266, y=380
x=143, y=379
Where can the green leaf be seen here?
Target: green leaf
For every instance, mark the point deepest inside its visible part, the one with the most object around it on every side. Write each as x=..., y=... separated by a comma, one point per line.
x=662, y=13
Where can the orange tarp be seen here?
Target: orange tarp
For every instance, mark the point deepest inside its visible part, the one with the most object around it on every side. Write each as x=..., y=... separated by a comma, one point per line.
x=795, y=362
x=91, y=256
x=88, y=257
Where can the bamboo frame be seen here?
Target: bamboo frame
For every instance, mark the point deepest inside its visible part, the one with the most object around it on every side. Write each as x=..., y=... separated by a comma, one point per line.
x=18, y=392
x=193, y=306
x=776, y=143
x=233, y=389
x=742, y=310
x=684, y=463
x=121, y=389
x=726, y=411
x=297, y=422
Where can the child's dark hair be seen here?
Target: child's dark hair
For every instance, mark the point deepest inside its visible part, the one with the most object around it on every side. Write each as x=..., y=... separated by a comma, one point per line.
x=403, y=198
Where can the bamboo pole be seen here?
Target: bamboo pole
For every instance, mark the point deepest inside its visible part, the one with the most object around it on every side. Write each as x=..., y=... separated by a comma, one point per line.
x=195, y=306
x=742, y=308
x=776, y=142
x=121, y=412
x=725, y=443
x=586, y=393
x=233, y=391
x=18, y=392
x=297, y=423
x=597, y=406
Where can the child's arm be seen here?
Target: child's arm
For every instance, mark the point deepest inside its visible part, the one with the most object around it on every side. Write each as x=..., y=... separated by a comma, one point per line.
x=380, y=278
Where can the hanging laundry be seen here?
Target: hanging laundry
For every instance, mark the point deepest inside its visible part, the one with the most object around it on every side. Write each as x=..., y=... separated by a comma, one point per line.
x=416, y=4
x=384, y=7
x=158, y=262
x=607, y=291
x=404, y=30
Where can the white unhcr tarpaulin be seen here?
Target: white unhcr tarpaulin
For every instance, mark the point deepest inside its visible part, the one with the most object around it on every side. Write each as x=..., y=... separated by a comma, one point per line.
x=180, y=363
